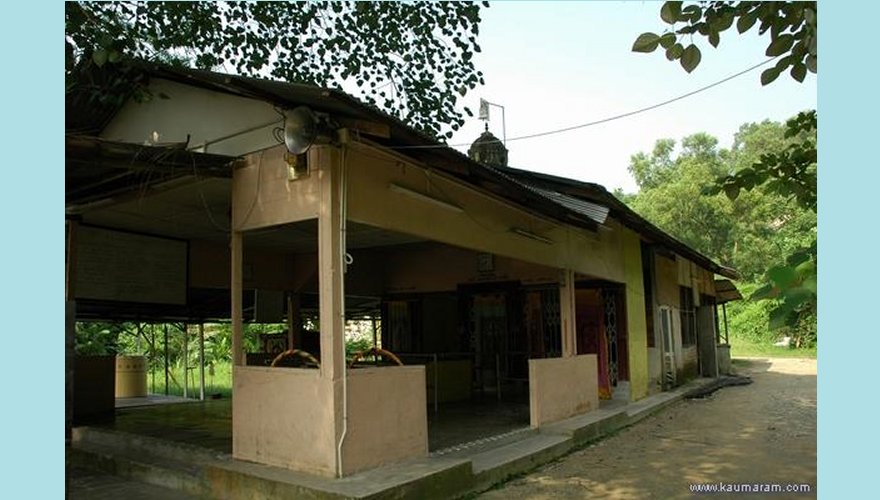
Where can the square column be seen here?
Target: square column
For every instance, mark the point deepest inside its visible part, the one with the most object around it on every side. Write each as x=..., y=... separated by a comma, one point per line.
x=331, y=284
x=567, y=314
x=237, y=256
x=330, y=421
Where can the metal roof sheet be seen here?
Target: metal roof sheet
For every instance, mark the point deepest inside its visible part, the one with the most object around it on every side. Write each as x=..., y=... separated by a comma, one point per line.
x=583, y=204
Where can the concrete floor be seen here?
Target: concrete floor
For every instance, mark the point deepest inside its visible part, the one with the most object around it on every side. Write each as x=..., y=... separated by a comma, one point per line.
x=464, y=422
x=197, y=431
x=151, y=400
x=208, y=424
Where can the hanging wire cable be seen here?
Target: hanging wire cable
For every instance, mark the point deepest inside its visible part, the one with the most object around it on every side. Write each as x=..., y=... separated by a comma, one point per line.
x=608, y=119
x=205, y=205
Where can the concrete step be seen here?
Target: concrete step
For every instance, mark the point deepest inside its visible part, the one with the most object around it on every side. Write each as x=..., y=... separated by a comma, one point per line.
x=652, y=404
x=126, y=443
x=88, y=484
x=422, y=478
x=591, y=426
x=496, y=465
x=202, y=473
x=146, y=468
x=212, y=474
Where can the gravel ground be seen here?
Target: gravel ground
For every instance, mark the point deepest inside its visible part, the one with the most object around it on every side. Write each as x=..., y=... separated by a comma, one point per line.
x=762, y=433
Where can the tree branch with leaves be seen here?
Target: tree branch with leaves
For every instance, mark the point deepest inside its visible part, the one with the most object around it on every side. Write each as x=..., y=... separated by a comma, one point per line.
x=423, y=50
x=790, y=171
x=792, y=27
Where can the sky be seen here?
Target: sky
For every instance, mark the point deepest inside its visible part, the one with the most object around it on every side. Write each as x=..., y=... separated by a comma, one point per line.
x=557, y=64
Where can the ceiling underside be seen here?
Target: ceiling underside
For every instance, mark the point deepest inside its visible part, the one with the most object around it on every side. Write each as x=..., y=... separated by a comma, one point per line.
x=198, y=209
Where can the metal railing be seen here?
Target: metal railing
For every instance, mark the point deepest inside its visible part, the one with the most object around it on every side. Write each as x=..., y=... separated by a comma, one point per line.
x=435, y=357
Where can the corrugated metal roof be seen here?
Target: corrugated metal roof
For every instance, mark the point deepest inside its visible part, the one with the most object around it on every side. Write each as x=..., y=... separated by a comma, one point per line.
x=726, y=291
x=583, y=204
x=97, y=168
x=595, y=212
x=592, y=210
x=586, y=191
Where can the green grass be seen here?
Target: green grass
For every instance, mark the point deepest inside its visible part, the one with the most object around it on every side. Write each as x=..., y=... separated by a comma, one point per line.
x=219, y=383
x=740, y=347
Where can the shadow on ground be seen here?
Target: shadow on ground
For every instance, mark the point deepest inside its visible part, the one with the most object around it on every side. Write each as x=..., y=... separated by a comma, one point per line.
x=759, y=433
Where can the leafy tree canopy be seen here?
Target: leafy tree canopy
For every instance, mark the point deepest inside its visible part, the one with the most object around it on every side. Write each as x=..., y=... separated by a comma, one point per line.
x=792, y=27
x=411, y=59
x=763, y=227
x=788, y=171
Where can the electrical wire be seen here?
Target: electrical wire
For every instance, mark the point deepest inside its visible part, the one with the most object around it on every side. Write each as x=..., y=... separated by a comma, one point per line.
x=208, y=212
x=608, y=119
x=253, y=204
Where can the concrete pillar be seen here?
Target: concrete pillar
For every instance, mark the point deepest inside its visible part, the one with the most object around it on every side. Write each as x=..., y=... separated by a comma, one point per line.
x=201, y=361
x=237, y=257
x=636, y=327
x=567, y=314
x=655, y=304
x=185, y=331
x=706, y=341
x=69, y=325
x=331, y=288
x=294, y=322
x=330, y=266
x=69, y=337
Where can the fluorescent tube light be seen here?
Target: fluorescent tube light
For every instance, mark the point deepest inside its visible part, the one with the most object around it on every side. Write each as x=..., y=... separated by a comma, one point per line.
x=532, y=236
x=423, y=197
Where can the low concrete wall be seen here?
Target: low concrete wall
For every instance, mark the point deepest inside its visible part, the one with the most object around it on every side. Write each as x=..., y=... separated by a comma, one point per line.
x=723, y=354
x=283, y=417
x=387, y=417
x=562, y=387
x=655, y=370
x=689, y=367
x=94, y=381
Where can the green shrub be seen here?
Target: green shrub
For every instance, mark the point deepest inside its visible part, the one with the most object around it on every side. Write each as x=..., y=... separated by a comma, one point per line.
x=749, y=321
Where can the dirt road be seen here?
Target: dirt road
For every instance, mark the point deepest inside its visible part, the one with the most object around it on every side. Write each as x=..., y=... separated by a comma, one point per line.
x=756, y=434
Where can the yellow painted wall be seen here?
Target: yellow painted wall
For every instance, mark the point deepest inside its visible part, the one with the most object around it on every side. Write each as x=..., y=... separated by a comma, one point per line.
x=707, y=281
x=694, y=276
x=484, y=223
x=684, y=267
x=433, y=267
x=637, y=330
x=668, y=274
